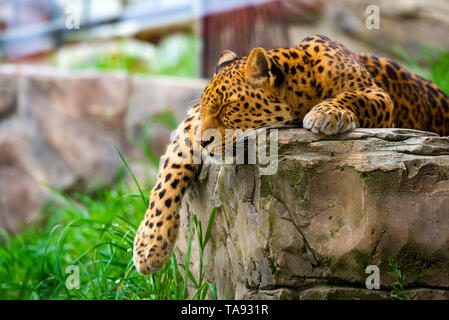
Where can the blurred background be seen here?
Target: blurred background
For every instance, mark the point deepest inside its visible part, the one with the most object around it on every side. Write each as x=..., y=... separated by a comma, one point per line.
x=81, y=80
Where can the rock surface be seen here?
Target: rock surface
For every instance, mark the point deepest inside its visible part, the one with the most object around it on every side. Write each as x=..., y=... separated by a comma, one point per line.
x=335, y=205
x=60, y=129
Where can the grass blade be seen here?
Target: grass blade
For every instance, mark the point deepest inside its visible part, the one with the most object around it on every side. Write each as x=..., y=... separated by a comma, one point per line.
x=210, y=224
x=187, y=263
x=144, y=198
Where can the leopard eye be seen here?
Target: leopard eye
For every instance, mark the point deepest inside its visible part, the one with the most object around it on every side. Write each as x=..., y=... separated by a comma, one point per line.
x=224, y=107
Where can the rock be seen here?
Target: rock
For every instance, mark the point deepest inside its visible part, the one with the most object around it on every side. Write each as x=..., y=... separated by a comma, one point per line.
x=335, y=205
x=8, y=91
x=19, y=195
x=60, y=128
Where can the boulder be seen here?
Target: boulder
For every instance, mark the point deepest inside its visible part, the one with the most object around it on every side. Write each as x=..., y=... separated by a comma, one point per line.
x=335, y=206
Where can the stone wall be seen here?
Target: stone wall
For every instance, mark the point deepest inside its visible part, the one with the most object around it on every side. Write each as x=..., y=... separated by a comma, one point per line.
x=60, y=128
x=335, y=206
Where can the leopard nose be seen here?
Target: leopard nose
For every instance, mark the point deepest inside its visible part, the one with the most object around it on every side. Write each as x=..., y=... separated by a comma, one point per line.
x=205, y=143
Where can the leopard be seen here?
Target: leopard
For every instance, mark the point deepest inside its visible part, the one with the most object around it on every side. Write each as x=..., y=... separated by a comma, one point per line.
x=319, y=85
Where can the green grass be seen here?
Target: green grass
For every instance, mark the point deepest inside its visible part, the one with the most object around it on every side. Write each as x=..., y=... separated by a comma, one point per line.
x=398, y=290
x=439, y=69
x=94, y=232
x=437, y=61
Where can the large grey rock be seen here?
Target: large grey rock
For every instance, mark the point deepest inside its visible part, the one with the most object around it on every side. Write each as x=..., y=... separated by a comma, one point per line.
x=335, y=205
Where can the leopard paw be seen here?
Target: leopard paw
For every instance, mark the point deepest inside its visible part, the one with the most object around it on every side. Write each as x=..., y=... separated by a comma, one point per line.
x=329, y=120
x=152, y=244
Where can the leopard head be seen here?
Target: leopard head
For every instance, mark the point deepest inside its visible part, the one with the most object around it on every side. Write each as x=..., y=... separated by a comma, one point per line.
x=245, y=93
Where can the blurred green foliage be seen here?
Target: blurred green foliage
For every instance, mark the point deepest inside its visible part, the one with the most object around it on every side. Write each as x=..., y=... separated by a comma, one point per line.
x=175, y=55
x=437, y=61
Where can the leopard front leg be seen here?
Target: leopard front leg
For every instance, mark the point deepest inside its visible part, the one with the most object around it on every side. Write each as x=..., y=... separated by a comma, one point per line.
x=155, y=239
x=370, y=108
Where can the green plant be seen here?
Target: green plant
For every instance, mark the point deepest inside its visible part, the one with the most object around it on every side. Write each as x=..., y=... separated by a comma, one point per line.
x=91, y=232
x=439, y=67
x=175, y=55
x=397, y=290
x=437, y=61
x=202, y=286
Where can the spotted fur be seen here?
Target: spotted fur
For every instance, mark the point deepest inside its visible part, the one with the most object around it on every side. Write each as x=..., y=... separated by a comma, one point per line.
x=320, y=85
x=157, y=233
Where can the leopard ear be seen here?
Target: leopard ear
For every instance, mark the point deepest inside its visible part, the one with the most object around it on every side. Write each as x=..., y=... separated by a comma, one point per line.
x=260, y=68
x=225, y=58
